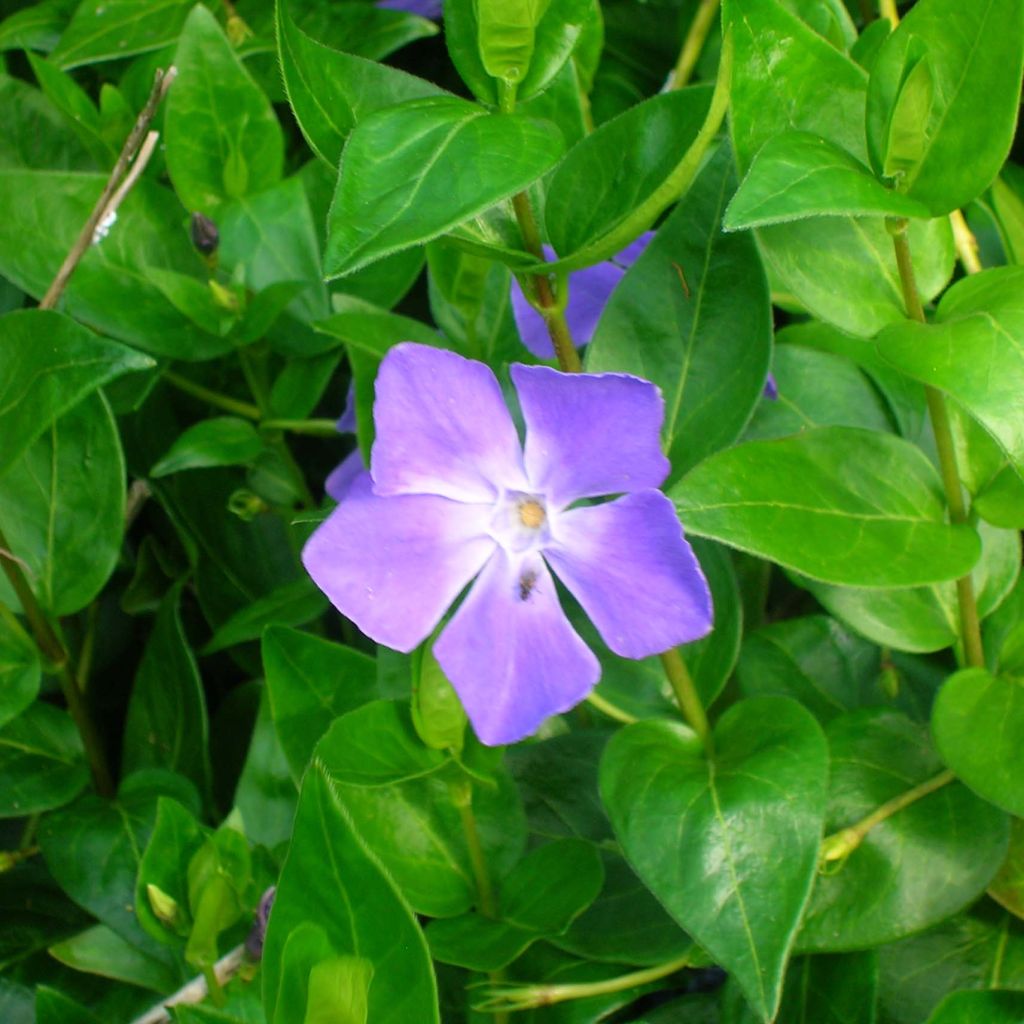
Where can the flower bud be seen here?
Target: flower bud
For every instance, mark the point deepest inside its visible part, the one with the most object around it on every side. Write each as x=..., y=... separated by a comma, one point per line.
x=204, y=234
x=256, y=937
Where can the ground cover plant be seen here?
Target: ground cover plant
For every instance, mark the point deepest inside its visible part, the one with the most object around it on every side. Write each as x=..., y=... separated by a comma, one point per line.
x=509, y=511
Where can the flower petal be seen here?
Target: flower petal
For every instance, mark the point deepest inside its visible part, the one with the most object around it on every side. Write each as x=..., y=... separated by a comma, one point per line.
x=589, y=434
x=634, y=250
x=629, y=566
x=341, y=478
x=442, y=428
x=347, y=420
x=510, y=652
x=394, y=565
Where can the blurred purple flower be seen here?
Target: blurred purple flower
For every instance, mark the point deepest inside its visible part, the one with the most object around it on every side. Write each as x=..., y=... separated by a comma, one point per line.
x=258, y=933
x=771, y=389
x=341, y=478
x=424, y=8
x=589, y=292
x=452, y=497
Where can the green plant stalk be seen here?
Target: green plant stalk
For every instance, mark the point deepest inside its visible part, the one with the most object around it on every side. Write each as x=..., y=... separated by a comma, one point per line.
x=703, y=19
x=839, y=845
x=970, y=624
x=312, y=428
x=687, y=696
x=214, y=398
x=55, y=652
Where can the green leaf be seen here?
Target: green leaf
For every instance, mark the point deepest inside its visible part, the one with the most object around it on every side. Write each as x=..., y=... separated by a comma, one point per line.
x=110, y=290
x=62, y=507
x=923, y=863
x=223, y=139
x=974, y=352
x=400, y=183
x=331, y=92
x=166, y=726
x=53, y=1007
x=39, y=382
x=971, y=1007
x=729, y=846
x=311, y=682
x=797, y=175
x=37, y=27
x=222, y=441
x=42, y=764
x=870, y=511
x=194, y=299
x=973, y=55
x=80, y=113
x=541, y=897
x=101, y=951
x=400, y=796
x=110, y=29
x=20, y=668
x=505, y=34
x=331, y=879
x=36, y=135
x=693, y=316
x=978, y=725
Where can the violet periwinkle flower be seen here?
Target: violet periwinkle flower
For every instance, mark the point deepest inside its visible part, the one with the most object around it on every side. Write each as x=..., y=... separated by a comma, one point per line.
x=452, y=497
x=589, y=292
x=424, y=8
x=341, y=478
x=258, y=933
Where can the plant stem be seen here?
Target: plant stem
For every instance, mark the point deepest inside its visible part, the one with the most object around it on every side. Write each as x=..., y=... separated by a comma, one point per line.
x=54, y=651
x=314, y=428
x=703, y=19
x=841, y=844
x=606, y=707
x=462, y=797
x=887, y=9
x=195, y=991
x=687, y=696
x=966, y=243
x=970, y=625
x=215, y=398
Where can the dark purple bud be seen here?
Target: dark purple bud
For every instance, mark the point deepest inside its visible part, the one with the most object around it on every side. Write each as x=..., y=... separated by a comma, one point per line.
x=205, y=236
x=254, y=943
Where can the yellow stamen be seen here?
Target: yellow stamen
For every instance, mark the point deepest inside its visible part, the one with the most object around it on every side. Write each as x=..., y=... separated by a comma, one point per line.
x=531, y=514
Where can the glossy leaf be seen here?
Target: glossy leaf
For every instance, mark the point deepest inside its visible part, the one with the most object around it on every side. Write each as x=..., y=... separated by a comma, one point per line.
x=222, y=142
x=968, y=1007
x=870, y=512
x=62, y=507
x=101, y=951
x=923, y=863
x=728, y=847
x=693, y=316
x=42, y=764
x=331, y=92
x=37, y=136
x=20, y=669
x=221, y=441
x=973, y=352
x=311, y=681
x=798, y=175
x=973, y=54
x=541, y=896
x=978, y=724
x=400, y=183
x=356, y=905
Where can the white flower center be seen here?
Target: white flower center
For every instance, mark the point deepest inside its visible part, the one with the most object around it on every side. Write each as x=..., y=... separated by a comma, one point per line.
x=521, y=522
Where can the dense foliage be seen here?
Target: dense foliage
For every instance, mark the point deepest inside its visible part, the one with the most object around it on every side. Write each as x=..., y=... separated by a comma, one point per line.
x=755, y=268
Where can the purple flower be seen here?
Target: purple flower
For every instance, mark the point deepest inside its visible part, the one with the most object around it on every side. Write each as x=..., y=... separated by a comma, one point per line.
x=452, y=497
x=589, y=292
x=424, y=8
x=258, y=933
x=340, y=479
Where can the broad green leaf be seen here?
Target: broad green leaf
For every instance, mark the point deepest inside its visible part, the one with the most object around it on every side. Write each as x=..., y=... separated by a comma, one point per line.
x=797, y=175
x=102, y=951
x=1007, y=203
x=974, y=352
x=972, y=54
x=839, y=988
x=925, y=619
x=36, y=133
x=816, y=389
x=693, y=316
x=110, y=290
x=541, y=897
x=1007, y=888
x=360, y=28
x=310, y=681
x=53, y=1007
x=166, y=725
x=223, y=138
x=869, y=512
x=110, y=29
x=20, y=668
x=402, y=179
x=195, y=299
x=331, y=879
x=62, y=507
x=298, y=388
x=978, y=725
x=42, y=764
x=36, y=27
x=506, y=31
x=923, y=863
x=221, y=441
x=829, y=18
x=729, y=846
x=974, y=1007
x=971, y=951
x=331, y=92
x=401, y=797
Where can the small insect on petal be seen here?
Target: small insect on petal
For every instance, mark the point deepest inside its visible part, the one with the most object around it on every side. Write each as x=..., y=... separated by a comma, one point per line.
x=527, y=581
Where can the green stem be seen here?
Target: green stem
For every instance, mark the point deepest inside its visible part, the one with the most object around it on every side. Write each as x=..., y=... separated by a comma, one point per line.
x=213, y=986
x=215, y=398
x=12, y=858
x=970, y=624
x=693, y=44
x=314, y=428
x=55, y=652
x=687, y=696
x=462, y=797
x=606, y=707
x=839, y=845
x=887, y=9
